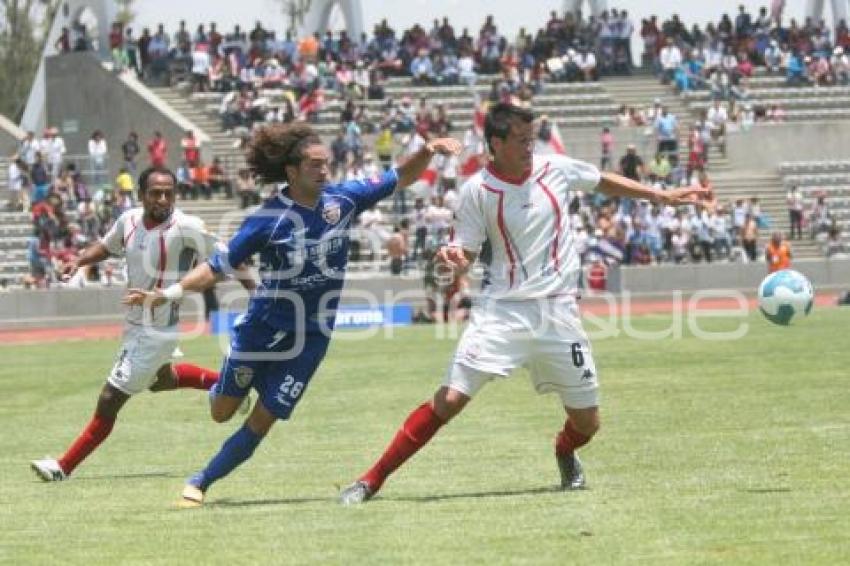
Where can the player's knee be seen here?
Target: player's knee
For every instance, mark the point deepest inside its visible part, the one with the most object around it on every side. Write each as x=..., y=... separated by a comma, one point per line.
x=110, y=402
x=221, y=414
x=591, y=428
x=585, y=421
x=588, y=426
x=160, y=385
x=448, y=403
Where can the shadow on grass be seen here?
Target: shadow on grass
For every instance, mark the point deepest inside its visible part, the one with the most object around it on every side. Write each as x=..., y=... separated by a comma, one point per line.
x=766, y=490
x=136, y=476
x=477, y=494
x=224, y=503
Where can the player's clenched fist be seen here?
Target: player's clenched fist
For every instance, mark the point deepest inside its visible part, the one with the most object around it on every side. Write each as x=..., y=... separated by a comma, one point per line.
x=69, y=270
x=453, y=257
x=444, y=146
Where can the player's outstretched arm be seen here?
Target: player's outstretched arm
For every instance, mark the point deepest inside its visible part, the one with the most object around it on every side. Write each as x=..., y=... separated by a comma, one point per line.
x=615, y=185
x=199, y=279
x=415, y=165
x=95, y=253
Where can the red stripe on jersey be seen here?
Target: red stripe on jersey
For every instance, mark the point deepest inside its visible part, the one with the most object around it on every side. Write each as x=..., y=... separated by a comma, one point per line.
x=500, y=219
x=130, y=235
x=557, y=209
x=163, y=255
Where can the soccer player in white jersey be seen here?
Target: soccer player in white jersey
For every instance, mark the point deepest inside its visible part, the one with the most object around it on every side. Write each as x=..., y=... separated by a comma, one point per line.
x=160, y=244
x=528, y=316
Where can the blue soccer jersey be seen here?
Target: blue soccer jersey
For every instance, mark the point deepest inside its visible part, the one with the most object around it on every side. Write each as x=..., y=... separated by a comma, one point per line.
x=283, y=336
x=303, y=253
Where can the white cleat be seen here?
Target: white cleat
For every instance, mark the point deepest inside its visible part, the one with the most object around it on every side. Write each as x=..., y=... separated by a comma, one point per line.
x=48, y=470
x=191, y=497
x=177, y=353
x=355, y=494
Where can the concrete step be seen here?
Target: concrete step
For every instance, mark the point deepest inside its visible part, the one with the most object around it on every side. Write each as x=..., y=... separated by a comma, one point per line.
x=8, y=268
x=13, y=242
x=16, y=230
x=7, y=218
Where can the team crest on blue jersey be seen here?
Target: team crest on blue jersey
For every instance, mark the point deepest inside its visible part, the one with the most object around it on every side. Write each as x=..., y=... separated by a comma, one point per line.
x=331, y=213
x=244, y=375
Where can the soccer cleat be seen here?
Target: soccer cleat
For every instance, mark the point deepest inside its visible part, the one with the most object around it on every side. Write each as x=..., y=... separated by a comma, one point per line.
x=48, y=470
x=177, y=353
x=572, y=474
x=191, y=497
x=355, y=494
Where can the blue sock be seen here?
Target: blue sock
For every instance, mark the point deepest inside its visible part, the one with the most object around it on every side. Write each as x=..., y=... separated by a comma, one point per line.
x=234, y=451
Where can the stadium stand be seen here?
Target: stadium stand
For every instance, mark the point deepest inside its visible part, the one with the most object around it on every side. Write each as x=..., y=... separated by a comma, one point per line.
x=528, y=75
x=828, y=182
x=15, y=229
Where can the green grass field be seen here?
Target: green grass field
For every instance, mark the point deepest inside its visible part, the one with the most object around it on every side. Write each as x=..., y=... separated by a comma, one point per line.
x=710, y=453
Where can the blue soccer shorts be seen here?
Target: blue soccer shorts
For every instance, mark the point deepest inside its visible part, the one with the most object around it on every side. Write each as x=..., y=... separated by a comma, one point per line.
x=277, y=364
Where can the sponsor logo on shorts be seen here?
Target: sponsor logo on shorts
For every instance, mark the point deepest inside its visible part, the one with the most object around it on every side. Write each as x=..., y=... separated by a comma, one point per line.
x=243, y=375
x=587, y=375
x=469, y=351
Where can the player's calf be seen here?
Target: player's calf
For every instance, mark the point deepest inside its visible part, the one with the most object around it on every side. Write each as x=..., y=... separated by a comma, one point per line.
x=580, y=427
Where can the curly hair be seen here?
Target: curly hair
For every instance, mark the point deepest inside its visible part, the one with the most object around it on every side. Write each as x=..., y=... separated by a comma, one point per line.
x=272, y=148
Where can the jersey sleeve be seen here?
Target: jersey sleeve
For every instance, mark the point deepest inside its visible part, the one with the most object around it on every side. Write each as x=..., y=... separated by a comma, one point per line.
x=368, y=192
x=252, y=236
x=581, y=175
x=113, y=240
x=196, y=236
x=470, y=229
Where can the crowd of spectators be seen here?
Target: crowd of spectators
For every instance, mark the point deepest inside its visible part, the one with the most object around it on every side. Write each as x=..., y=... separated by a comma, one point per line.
x=268, y=78
x=720, y=57
x=624, y=231
x=569, y=47
x=73, y=201
x=310, y=70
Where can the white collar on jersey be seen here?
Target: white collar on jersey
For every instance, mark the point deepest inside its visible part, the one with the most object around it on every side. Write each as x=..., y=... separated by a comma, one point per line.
x=281, y=194
x=281, y=188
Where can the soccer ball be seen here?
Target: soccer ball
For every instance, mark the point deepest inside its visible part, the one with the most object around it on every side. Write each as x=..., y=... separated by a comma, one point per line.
x=785, y=295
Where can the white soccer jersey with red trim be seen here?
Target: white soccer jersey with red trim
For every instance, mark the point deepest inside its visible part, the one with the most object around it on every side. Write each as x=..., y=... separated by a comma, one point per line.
x=158, y=256
x=528, y=225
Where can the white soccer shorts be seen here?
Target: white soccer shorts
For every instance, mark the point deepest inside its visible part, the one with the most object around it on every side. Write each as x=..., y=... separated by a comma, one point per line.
x=545, y=337
x=143, y=351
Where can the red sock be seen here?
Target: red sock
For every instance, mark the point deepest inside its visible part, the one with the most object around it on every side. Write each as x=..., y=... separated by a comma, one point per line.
x=95, y=432
x=569, y=439
x=416, y=431
x=195, y=377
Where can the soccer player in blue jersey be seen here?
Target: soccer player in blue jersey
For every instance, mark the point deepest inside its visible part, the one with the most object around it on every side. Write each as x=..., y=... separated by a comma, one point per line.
x=302, y=236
